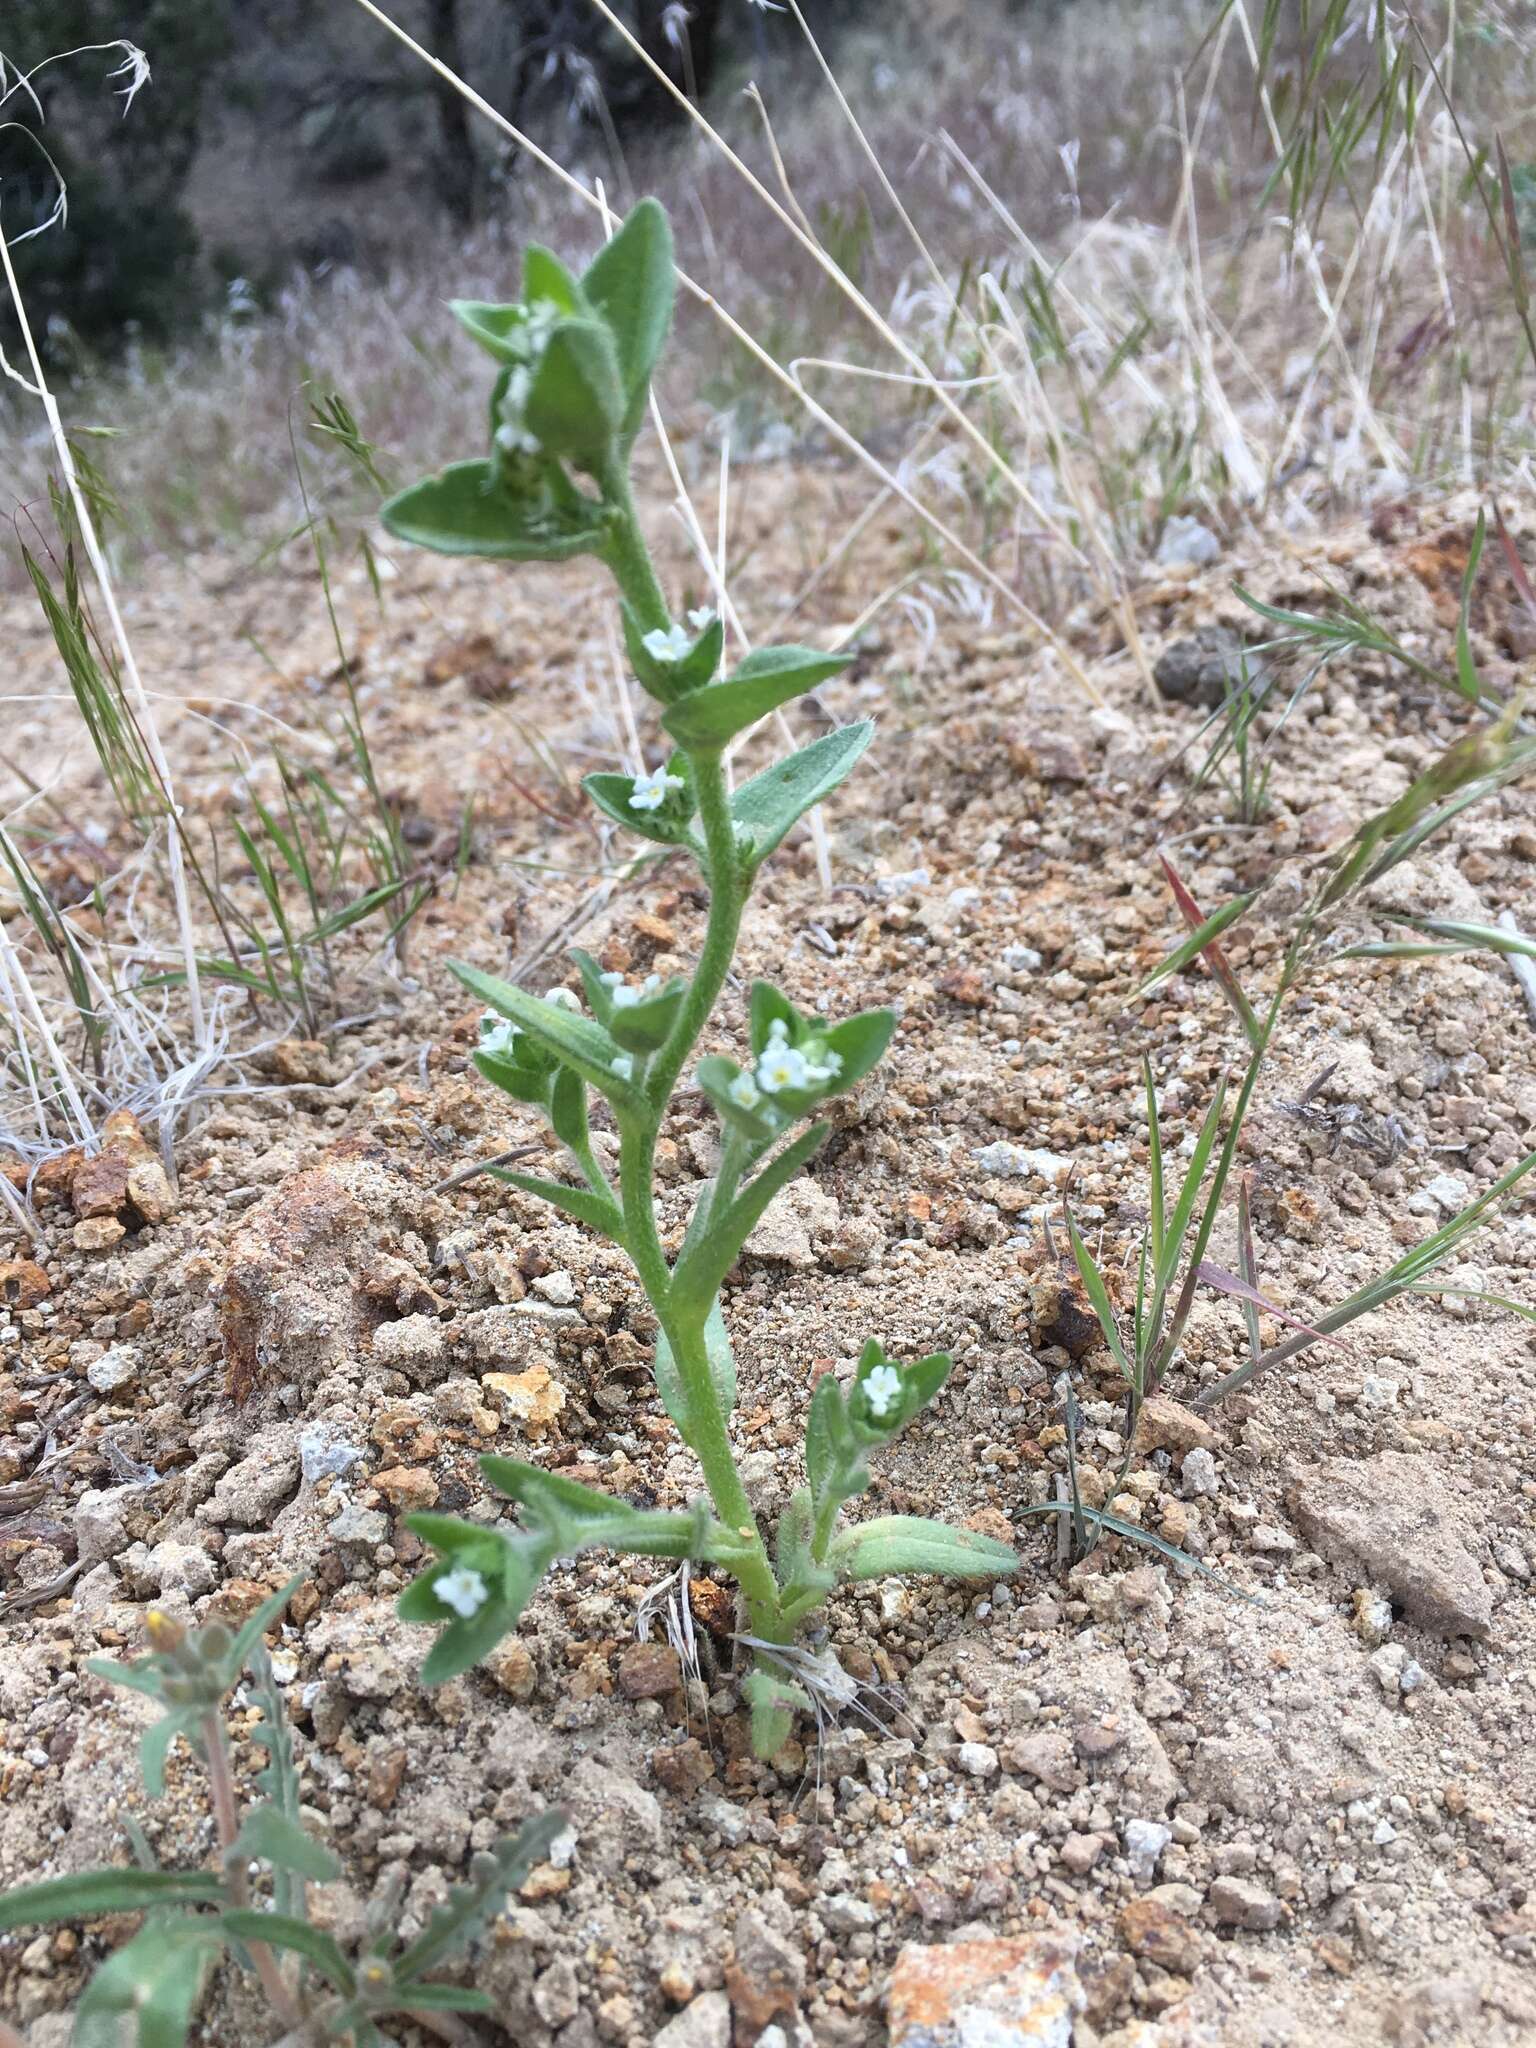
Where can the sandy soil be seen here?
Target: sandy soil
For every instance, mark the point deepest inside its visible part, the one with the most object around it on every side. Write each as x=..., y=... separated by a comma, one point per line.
x=1304, y=1816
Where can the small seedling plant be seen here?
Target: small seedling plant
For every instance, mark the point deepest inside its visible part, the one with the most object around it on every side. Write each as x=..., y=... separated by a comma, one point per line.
x=1173, y=1261
x=575, y=358
x=147, y=1992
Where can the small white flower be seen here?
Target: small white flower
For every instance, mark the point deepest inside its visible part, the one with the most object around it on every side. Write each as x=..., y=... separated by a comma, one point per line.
x=825, y=1066
x=652, y=789
x=670, y=645
x=563, y=999
x=463, y=1590
x=513, y=440
x=882, y=1390
x=781, y=1066
x=497, y=1034
x=623, y=1066
x=623, y=996
x=701, y=617
x=778, y=1032
x=743, y=1092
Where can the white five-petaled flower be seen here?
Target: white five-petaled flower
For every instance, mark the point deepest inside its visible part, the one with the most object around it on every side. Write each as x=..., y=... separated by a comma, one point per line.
x=882, y=1390
x=781, y=1066
x=463, y=1590
x=669, y=644
x=652, y=788
x=743, y=1092
x=703, y=615
x=623, y=1066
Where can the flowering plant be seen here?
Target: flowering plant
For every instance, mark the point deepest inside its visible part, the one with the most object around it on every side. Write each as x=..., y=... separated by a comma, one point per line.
x=576, y=356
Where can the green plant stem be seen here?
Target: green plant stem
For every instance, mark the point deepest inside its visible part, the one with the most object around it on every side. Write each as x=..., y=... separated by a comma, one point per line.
x=627, y=556
x=221, y=1785
x=684, y=1322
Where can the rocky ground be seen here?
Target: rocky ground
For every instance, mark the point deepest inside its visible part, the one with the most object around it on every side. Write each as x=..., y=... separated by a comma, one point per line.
x=1120, y=1804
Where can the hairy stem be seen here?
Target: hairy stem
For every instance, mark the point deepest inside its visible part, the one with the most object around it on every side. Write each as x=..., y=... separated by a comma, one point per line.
x=226, y=1816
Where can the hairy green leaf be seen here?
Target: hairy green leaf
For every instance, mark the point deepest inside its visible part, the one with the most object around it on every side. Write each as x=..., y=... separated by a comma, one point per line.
x=910, y=1543
x=493, y=1874
x=95, y=1892
x=569, y=1036
x=774, y=1702
x=468, y=509
x=283, y=1930
x=669, y=824
x=597, y=1213
x=708, y=718
x=154, y=1982
x=632, y=282
x=773, y=801
x=576, y=402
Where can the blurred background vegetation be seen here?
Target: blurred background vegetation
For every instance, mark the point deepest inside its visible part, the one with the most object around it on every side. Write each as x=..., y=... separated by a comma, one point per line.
x=283, y=134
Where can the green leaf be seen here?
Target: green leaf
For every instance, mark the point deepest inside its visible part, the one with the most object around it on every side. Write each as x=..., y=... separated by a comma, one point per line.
x=645, y=1027
x=774, y=1702
x=597, y=1213
x=1196, y=943
x=468, y=1907
x=500, y=330
x=722, y=1370
x=576, y=403
x=1098, y=1295
x=632, y=282
x=255, y=1626
x=860, y=1043
x=772, y=802
x=772, y=676
x=569, y=1036
x=272, y=1837
x=95, y=1892
x=283, y=1930
x=802, y=1579
x=545, y=276
x=155, y=1981
x=467, y=509
x=568, y=1517
x=568, y=1110
x=768, y=1006
x=448, y=1998
x=1491, y=938
x=510, y=1567
x=155, y=1745
x=1132, y=1532
x=910, y=1543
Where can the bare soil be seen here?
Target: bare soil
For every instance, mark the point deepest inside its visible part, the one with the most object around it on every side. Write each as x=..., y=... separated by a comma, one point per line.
x=1293, y=1803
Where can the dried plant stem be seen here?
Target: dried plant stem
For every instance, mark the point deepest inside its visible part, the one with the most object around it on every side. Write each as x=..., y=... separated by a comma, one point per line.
x=143, y=715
